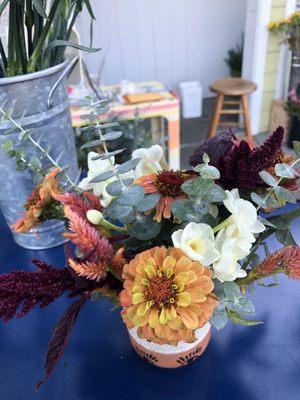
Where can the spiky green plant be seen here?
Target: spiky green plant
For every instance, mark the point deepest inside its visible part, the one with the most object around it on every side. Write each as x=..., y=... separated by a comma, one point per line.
x=38, y=32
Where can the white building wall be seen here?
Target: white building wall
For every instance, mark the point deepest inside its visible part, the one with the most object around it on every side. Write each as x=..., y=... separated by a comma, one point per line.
x=165, y=40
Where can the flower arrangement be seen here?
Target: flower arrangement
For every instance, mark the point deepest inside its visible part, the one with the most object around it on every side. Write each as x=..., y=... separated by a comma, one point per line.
x=289, y=28
x=175, y=249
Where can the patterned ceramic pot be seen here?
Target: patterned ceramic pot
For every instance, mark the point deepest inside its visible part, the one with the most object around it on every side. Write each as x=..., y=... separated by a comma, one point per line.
x=168, y=356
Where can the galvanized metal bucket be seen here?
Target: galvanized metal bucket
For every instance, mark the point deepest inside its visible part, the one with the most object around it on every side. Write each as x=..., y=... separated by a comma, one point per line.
x=40, y=101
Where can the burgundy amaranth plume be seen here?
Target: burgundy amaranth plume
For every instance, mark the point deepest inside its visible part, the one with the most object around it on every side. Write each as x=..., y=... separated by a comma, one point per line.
x=238, y=163
x=240, y=167
x=21, y=291
x=79, y=204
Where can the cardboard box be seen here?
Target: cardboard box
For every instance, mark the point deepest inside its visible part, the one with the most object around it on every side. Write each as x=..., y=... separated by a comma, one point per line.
x=279, y=116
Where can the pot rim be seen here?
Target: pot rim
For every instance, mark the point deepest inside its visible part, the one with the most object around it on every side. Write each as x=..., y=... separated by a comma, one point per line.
x=33, y=75
x=165, y=349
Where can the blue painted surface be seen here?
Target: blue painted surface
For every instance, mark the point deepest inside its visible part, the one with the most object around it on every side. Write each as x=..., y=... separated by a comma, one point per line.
x=240, y=363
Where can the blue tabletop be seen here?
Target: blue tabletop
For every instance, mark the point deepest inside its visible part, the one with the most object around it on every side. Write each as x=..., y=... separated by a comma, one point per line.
x=240, y=363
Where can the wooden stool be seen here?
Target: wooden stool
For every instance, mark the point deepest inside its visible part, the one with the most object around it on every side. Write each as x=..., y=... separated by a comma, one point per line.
x=232, y=87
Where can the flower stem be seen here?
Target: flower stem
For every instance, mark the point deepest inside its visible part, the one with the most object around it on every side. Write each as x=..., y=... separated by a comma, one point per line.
x=109, y=225
x=222, y=225
x=255, y=275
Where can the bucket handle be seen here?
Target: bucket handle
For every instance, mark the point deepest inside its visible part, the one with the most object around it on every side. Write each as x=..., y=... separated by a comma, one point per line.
x=66, y=72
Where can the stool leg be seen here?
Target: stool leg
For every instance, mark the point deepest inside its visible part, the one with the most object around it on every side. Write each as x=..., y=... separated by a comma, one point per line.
x=216, y=116
x=245, y=104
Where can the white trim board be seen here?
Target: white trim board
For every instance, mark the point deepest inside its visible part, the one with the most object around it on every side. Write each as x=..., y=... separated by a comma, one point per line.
x=255, y=53
x=284, y=58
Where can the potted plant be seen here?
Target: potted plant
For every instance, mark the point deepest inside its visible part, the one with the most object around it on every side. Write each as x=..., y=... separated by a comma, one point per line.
x=289, y=28
x=234, y=61
x=176, y=249
x=293, y=107
x=33, y=90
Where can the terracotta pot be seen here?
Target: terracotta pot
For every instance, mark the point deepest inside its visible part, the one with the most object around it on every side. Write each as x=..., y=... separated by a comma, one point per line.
x=168, y=356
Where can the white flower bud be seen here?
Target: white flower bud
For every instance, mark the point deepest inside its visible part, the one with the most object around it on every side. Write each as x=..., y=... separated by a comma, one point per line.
x=94, y=216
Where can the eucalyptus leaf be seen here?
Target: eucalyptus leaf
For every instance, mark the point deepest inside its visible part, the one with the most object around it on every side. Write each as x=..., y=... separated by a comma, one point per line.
x=284, y=171
x=208, y=171
x=115, y=188
x=219, y=318
x=124, y=214
x=258, y=199
x=35, y=163
x=131, y=196
x=108, y=125
x=231, y=290
x=296, y=146
x=148, y=202
x=285, y=237
x=285, y=194
x=144, y=228
x=105, y=156
x=206, y=158
x=268, y=178
x=103, y=177
x=128, y=166
x=238, y=319
x=180, y=208
x=198, y=187
x=266, y=222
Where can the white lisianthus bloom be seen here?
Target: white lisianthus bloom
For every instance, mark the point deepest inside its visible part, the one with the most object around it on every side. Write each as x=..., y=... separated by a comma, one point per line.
x=243, y=221
x=98, y=167
x=197, y=242
x=231, y=249
x=150, y=160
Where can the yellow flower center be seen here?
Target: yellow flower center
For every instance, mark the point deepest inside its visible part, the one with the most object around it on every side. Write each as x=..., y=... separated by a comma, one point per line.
x=197, y=245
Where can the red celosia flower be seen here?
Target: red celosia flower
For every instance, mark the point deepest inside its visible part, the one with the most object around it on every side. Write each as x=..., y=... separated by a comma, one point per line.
x=286, y=260
x=94, y=270
x=80, y=204
x=168, y=185
x=85, y=237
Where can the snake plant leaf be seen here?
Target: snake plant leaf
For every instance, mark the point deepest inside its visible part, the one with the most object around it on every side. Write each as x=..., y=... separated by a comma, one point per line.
x=59, y=42
x=3, y=5
x=39, y=6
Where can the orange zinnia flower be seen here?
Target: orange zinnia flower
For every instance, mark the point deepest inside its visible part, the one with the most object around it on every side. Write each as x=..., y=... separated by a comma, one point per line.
x=40, y=200
x=168, y=185
x=166, y=295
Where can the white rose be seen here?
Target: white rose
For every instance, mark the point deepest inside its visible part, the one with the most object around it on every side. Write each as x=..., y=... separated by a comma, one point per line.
x=197, y=242
x=243, y=221
x=231, y=249
x=150, y=160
